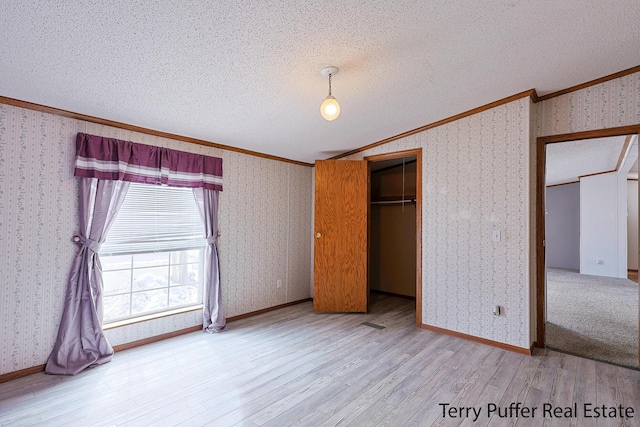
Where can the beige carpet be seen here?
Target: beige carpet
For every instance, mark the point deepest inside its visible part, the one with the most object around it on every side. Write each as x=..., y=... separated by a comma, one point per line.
x=592, y=316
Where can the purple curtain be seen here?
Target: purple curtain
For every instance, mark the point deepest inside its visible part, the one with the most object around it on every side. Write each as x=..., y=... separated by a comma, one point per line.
x=114, y=159
x=81, y=342
x=213, y=316
x=106, y=166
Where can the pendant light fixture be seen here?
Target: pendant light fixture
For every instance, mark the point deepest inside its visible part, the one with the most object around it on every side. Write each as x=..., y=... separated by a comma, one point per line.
x=329, y=109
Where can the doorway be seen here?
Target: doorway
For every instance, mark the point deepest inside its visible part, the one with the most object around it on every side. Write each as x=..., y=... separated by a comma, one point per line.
x=341, y=233
x=582, y=245
x=394, y=250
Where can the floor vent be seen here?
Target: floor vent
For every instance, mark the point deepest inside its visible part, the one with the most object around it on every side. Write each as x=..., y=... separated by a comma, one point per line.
x=373, y=325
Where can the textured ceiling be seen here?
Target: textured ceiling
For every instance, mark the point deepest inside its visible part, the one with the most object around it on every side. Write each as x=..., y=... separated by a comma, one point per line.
x=568, y=161
x=246, y=73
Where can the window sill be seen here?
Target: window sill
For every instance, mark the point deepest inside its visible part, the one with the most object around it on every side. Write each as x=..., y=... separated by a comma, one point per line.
x=153, y=316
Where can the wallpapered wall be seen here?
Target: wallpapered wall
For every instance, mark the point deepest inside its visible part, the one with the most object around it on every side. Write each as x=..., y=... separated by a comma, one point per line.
x=265, y=221
x=475, y=179
x=478, y=175
x=609, y=104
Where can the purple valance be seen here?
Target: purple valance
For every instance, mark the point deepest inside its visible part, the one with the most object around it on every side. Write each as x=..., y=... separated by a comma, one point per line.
x=116, y=160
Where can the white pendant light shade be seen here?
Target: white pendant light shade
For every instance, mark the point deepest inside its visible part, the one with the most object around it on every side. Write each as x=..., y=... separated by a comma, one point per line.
x=330, y=109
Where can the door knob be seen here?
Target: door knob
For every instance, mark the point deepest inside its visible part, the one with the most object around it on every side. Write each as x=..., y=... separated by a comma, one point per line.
x=318, y=235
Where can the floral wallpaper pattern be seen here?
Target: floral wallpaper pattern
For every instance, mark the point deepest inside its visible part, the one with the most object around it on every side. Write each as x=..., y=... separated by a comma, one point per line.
x=265, y=221
x=477, y=175
x=38, y=206
x=475, y=179
x=610, y=104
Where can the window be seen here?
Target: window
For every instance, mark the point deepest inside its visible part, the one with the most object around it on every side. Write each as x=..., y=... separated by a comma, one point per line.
x=153, y=256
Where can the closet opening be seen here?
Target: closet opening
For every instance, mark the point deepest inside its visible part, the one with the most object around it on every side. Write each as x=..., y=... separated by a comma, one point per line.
x=394, y=227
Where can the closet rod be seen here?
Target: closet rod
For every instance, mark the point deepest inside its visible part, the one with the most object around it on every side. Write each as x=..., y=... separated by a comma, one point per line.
x=393, y=202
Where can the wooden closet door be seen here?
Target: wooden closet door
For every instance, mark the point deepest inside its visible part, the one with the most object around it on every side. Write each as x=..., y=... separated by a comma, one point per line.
x=340, y=248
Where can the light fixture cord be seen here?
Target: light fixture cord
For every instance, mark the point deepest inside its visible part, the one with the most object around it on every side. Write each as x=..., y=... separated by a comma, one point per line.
x=329, y=84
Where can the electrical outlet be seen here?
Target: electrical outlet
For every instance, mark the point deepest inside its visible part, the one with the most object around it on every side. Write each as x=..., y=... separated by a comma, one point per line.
x=496, y=310
x=495, y=236
x=279, y=285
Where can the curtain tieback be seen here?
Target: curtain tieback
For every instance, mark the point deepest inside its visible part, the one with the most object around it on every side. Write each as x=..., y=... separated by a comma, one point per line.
x=211, y=240
x=87, y=243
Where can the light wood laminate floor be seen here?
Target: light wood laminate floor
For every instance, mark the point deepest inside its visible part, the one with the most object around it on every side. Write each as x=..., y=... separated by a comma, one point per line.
x=296, y=367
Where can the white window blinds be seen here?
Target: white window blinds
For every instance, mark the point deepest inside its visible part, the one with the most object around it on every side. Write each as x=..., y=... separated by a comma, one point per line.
x=155, y=218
